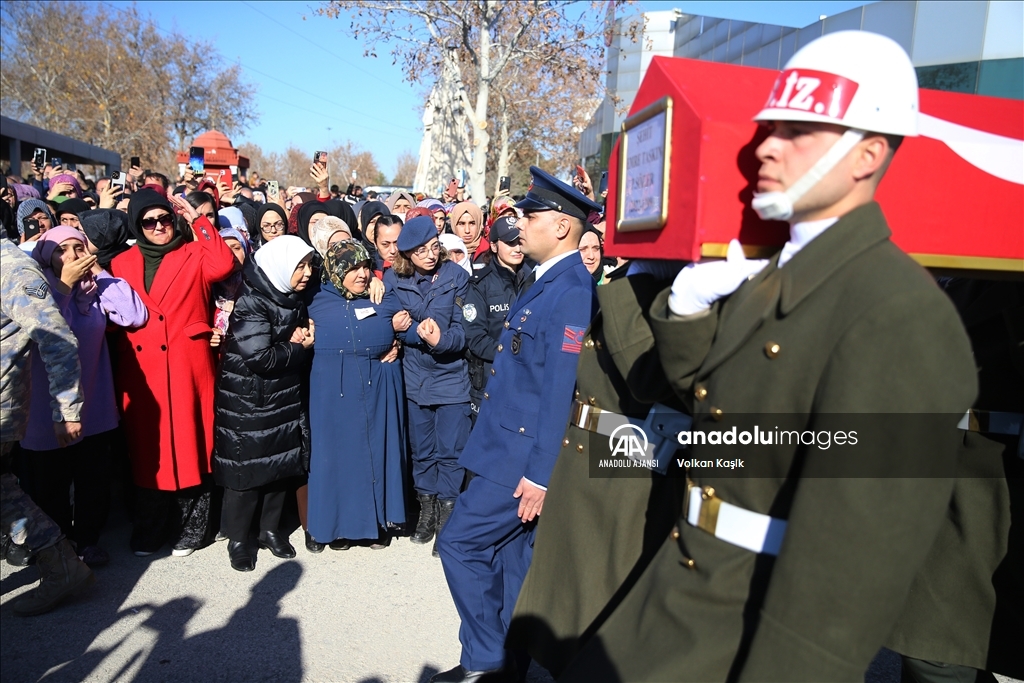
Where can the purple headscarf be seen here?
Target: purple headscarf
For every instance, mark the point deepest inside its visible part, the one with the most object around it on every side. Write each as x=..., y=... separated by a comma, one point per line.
x=86, y=290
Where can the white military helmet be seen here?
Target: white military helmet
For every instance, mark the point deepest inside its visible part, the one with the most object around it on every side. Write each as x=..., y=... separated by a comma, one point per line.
x=852, y=78
x=861, y=80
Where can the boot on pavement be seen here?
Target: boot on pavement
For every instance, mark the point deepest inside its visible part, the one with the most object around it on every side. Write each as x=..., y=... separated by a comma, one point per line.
x=444, y=511
x=61, y=574
x=428, y=519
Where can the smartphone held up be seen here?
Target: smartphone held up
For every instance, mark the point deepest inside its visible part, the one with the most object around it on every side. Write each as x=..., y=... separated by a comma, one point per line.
x=197, y=160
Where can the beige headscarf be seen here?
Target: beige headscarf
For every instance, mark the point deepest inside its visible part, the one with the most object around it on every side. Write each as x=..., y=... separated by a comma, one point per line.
x=395, y=196
x=321, y=233
x=475, y=212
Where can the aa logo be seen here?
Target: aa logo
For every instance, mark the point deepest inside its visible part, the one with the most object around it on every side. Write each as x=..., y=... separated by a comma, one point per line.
x=628, y=441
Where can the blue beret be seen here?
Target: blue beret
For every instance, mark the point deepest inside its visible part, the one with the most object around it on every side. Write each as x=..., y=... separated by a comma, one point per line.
x=416, y=233
x=548, y=193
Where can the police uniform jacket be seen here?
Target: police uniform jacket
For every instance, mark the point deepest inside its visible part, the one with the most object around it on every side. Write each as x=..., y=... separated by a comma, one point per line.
x=526, y=405
x=434, y=375
x=851, y=325
x=492, y=290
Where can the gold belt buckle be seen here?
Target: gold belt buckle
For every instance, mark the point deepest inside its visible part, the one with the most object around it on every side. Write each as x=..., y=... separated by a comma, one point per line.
x=707, y=518
x=576, y=415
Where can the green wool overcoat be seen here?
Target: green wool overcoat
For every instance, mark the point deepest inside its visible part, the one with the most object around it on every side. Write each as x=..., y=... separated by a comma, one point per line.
x=850, y=333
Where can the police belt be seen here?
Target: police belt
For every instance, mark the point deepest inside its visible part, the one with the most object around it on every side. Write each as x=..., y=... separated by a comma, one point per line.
x=995, y=422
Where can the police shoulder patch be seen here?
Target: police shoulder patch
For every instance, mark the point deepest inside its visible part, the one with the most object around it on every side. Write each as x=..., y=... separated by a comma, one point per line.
x=459, y=301
x=469, y=312
x=38, y=291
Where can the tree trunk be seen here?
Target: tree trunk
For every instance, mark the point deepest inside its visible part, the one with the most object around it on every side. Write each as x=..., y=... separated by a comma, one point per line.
x=481, y=138
x=503, y=154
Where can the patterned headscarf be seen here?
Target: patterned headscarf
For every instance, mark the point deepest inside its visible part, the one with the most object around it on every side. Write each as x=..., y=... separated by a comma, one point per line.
x=76, y=187
x=343, y=257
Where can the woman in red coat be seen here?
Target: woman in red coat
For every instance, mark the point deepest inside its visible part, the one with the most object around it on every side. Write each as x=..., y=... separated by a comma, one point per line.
x=165, y=371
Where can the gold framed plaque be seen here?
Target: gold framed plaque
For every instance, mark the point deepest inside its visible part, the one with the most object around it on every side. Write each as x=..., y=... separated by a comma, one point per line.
x=644, y=157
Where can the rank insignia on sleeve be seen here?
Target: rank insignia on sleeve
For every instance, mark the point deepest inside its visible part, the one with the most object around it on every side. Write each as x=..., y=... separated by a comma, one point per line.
x=572, y=342
x=469, y=312
x=38, y=291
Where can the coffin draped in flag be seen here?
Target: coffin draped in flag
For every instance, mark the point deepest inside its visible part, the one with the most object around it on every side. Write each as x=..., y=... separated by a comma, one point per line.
x=954, y=196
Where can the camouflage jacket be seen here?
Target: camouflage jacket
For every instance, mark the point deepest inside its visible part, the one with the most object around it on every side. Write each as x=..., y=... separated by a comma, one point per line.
x=28, y=314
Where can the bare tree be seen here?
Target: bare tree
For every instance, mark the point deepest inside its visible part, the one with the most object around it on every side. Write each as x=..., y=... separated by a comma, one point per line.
x=484, y=37
x=202, y=96
x=405, y=169
x=118, y=83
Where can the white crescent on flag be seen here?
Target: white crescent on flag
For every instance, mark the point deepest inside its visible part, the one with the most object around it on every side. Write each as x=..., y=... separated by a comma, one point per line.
x=997, y=155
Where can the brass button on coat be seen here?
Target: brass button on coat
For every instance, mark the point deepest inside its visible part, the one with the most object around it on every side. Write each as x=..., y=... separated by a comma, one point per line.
x=690, y=564
x=771, y=349
x=579, y=448
x=717, y=414
x=592, y=401
x=492, y=372
x=589, y=344
x=500, y=347
x=565, y=442
x=700, y=392
x=486, y=395
x=675, y=533
x=522, y=430
x=506, y=324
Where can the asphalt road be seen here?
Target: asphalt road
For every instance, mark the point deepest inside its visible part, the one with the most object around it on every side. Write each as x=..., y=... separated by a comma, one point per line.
x=356, y=615
x=371, y=616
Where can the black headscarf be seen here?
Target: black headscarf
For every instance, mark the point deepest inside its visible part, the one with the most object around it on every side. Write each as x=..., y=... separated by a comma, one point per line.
x=255, y=232
x=152, y=254
x=73, y=205
x=343, y=210
x=369, y=210
x=107, y=229
x=306, y=212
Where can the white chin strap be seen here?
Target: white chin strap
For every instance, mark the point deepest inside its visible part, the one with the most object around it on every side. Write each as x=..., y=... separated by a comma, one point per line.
x=778, y=206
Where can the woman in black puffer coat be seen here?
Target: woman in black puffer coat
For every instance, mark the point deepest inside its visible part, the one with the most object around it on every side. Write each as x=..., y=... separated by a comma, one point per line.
x=261, y=424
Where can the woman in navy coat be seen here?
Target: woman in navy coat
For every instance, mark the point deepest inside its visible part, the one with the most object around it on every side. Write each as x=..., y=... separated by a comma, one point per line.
x=432, y=291
x=356, y=474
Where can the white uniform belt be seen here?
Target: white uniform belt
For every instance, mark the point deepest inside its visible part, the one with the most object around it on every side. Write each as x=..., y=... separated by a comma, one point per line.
x=750, y=530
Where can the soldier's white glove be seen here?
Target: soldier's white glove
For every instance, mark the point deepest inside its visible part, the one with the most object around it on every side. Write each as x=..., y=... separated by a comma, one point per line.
x=699, y=285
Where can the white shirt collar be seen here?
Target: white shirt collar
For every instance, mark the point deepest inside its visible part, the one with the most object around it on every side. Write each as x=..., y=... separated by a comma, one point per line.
x=546, y=266
x=801, y=234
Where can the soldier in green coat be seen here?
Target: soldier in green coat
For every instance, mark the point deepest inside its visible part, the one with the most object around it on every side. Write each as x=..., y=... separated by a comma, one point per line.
x=795, y=564
x=599, y=531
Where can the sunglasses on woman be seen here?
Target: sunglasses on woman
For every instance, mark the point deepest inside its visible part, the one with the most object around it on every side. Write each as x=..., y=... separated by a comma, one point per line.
x=166, y=220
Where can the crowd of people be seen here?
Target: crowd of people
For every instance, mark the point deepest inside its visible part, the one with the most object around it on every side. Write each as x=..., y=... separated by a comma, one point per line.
x=196, y=309
x=440, y=368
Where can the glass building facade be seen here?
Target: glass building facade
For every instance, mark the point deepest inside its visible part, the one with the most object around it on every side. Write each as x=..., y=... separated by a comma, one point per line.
x=969, y=47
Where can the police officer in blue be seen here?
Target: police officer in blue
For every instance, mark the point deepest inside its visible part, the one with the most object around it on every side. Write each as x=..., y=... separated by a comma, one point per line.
x=492, y=290
x=487, y=544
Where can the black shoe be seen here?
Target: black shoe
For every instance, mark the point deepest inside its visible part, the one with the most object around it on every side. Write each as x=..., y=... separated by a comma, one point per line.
x=461, y=675
x=240, y=556
x=428, y=519
x=340, y=544
x=444, y=511
x=278, y=544
x=314, y=546
x=19, y=555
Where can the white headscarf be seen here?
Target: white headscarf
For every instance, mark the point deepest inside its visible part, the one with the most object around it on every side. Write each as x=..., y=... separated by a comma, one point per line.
x=278, y=259
x=231, y=217
x=450, y=242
